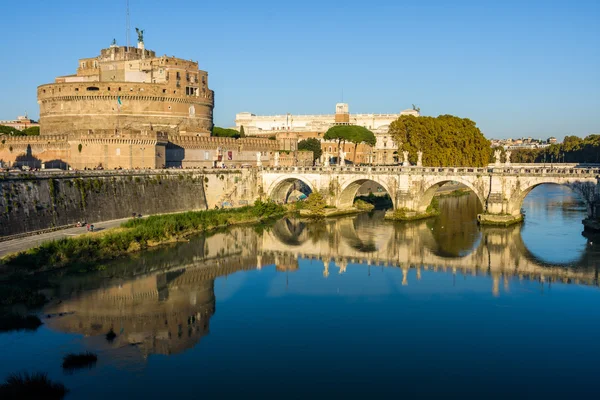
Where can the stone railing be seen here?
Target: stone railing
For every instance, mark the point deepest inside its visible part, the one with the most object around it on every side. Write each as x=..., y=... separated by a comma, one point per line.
x=108, y=173
x=412, y=170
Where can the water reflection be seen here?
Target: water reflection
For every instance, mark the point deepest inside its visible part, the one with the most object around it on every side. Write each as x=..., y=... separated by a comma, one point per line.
x=162, y=301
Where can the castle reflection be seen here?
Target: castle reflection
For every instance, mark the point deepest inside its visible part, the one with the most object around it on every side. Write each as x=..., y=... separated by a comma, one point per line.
x=162, y=300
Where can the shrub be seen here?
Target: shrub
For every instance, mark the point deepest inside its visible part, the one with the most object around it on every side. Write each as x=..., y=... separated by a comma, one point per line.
x=315, y=203
x=11, y=322
x=34, y=386
x=83, y=360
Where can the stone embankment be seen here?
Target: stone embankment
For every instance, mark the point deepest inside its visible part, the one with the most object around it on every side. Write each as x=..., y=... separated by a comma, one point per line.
x=43, y=201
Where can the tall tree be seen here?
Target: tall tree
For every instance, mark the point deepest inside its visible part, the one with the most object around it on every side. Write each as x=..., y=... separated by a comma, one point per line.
x=242, y=133
x=313, y=145
x=445, y=140
x=350, y=133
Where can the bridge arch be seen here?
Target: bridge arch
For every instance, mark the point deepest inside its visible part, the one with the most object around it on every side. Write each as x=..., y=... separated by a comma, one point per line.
x=348, y=191
x=585, y=189
x=431, y=188
x=281, y=187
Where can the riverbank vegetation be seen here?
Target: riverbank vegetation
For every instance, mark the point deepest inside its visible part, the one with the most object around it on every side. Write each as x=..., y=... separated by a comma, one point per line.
x=34, y=386
x=445, y=141
x=72, y=362
x=573, y=149
x=135, y=235
x=16, y=322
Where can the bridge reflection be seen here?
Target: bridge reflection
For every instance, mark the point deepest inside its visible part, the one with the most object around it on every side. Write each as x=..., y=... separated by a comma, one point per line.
x=162, y=301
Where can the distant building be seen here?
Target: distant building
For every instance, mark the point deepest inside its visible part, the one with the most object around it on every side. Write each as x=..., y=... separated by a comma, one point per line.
x=22, y=122
x=552, y=140
x=290, y=129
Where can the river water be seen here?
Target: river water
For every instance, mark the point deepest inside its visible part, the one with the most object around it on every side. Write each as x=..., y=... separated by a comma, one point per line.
x=352, y=307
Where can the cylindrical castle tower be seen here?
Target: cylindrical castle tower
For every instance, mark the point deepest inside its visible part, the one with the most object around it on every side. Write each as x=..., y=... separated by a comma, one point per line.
x=128, y=89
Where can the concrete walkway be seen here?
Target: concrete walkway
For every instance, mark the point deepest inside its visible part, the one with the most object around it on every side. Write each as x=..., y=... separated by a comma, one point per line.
x=24, y=243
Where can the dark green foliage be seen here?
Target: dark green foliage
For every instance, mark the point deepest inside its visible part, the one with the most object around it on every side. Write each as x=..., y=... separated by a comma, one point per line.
x=139, y=234
x=445, y=140
x=76, y=361
x=242, y=133
x=572, y=150
x=16, y=322
x=9, y=130
x=313, y=145
x=351, y=133
x=79, y=147
x=32, y=131
x=34, y=386
x=224, y=132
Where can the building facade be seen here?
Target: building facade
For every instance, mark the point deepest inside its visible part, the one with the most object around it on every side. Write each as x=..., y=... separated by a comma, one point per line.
x=289, y=129
x=22, y=122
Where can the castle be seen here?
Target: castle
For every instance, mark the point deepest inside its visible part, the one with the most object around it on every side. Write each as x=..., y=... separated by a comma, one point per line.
x=127, y=108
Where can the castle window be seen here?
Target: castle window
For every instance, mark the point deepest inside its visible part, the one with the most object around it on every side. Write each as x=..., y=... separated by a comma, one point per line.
x=109, y=88
x=164, y=90
x=92, y=88
x=77, y=89
x=119, y=89
x=178, y=76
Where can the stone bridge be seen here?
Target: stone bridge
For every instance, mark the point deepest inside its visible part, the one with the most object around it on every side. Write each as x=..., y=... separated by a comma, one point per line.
x=500, y=190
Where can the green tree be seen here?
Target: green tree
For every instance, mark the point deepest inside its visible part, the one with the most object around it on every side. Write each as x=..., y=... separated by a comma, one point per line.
x=225, y=132
x=9, y=130
x=445, y=140
x=242, y=133
x=315, y=203
x=32, y=131
x=350, y=133
x=313, y=145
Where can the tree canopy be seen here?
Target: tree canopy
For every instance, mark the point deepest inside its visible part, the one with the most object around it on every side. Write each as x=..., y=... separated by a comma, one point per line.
x=313, y=145
x=573, y=149
x=445, y=140
x=225, y=132
x=351, y=133
x=9, y=130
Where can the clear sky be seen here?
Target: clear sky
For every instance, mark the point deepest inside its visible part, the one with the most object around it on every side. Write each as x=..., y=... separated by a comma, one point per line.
x=517, y=68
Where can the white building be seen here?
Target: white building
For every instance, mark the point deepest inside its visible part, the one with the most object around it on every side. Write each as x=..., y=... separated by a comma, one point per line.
x=267, y=125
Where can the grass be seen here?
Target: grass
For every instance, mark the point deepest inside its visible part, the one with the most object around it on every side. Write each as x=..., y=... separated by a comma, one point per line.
x=16, y=322
x=135, y=235
x=34, y=386
x=72, y=362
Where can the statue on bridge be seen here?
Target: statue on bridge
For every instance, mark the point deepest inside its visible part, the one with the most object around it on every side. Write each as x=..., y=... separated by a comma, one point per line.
x=497, y=155
x=507, y=155
x=405, y=163
x=258, y=161
x=342, y=157
x=419, y=158
x=325, y=157
x=276, y=159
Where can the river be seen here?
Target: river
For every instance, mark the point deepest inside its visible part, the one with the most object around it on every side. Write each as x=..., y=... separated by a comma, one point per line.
x=353, y=307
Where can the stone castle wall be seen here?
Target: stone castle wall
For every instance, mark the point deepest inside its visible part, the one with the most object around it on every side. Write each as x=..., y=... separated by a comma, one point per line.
x=30, y=203
x=93, y=106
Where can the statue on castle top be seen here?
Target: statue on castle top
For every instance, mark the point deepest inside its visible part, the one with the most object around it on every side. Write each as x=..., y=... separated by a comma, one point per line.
x=140, y=33
x=419, y=158
x=405, y=163
x=507, y=155
x=114, y=42
x=497, y=155
x=258, y=161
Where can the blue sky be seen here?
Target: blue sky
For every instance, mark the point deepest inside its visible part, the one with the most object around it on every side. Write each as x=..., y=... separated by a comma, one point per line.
x=517, y=68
